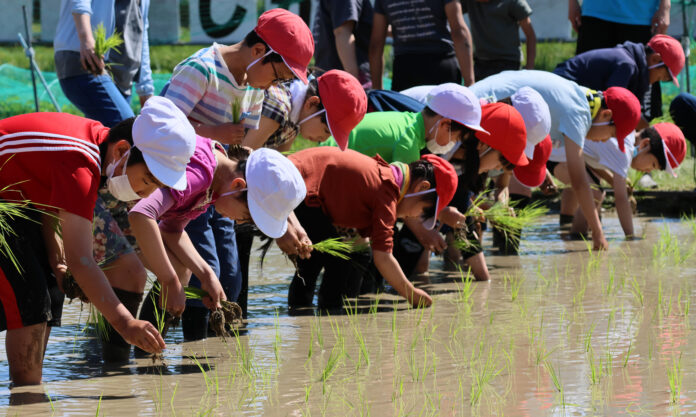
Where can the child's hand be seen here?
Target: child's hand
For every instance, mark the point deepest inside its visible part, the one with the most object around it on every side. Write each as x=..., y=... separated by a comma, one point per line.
x=173, y=297
x=295, y=242
x=143, y=335
x=420, y=298
x=215, y=293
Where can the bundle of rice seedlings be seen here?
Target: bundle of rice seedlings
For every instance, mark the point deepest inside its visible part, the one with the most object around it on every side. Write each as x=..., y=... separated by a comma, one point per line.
x=102, y=44
x=338, y=247
x=11, y=210
x=236, y=110
x=230, y=313
x=71, y=289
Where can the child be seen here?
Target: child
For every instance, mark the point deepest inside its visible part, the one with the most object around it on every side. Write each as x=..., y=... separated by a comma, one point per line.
x=576, y=113
x=335, y=101
x=634, y=66
x=210, y=87
x=348, y=190
x=54, y=162
x=263, y=187
x=655, y=146
x=495, y=27
x=683, y=112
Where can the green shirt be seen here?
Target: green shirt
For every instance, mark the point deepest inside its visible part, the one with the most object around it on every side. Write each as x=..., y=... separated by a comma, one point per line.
x=395, y=136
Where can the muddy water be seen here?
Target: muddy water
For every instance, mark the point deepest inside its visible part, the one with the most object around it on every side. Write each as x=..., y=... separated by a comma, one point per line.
x=556, y=332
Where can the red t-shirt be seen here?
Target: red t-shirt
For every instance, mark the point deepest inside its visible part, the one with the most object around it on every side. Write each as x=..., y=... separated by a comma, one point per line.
x=353, y=190
x=52, y=160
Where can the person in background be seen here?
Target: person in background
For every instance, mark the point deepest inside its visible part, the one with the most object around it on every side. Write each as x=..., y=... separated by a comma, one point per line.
x=210, y=87
x=342, y=37
x=631, y=65
x=495, y=27
x=432, y=44
x=607, y=23
x=683, y=112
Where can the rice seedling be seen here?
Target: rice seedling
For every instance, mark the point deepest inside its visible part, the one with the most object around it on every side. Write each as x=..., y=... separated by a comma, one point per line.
x=245, y=355
x=99, y=405
x=595, y=367
x=637, y=291
x=628, y=353
x=171, y=400
x=588, y=338
x=338, y=247
x=674, y=376
x=465, y=291
x=515, y=285
x=50, y=401
x=332, y=363
x=102, y=44
x=482, y=373
x=236, y=110
x=277, y=341
x=555, y=379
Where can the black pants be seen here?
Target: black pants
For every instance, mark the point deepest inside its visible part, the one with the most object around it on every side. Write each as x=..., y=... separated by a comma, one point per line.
x=484, y=68
x=245, y=239
x=342, y=278
x=597, y=33
x=411, y=70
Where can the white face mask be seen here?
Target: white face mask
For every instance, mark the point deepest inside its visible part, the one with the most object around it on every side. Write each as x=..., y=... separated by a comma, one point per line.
x=231, y=192
x=311, y=115
x=270, y=51
x=120, y=186
x=435, y=147
x=603, y=123
x=659, y=64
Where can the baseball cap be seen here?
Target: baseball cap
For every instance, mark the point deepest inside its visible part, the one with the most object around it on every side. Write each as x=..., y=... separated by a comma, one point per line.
x=274, y=188
x=533, y=175
x=625, y=109
x=683, y=112
x=446, y=181
x=671, y=52
x=458, y=103
x=345, y=102
x=288, y=36
x=166, y=139
x=536, y=115
x=673, y=144
x=507, y=132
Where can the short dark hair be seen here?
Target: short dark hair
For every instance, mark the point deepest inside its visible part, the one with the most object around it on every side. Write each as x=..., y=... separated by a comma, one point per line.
x=423, y=170
x=122, y=131
x=313, y=90
x=252, y=38
x=656, y=146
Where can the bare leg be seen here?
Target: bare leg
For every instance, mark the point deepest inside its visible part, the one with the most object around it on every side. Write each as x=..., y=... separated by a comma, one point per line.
x=478, y=267
x=423, y=263
x=127, y=273
x=25, y=351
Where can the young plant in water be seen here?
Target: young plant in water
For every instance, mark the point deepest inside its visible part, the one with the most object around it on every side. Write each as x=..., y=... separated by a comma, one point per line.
x=674, y=376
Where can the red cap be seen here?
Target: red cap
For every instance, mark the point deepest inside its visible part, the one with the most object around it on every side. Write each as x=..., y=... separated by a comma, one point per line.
x=446, y=181
x=533, y=175
x=625, y=111
x=345, y=102
x=674, y=145
x=288, y=36
x=507, y=132
x=671, y=52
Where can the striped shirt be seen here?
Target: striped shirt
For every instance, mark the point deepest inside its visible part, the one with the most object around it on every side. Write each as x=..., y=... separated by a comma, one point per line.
x=52, y=160
x=204, y=89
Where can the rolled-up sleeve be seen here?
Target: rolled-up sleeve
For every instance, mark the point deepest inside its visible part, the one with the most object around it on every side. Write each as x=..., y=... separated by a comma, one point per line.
x=81, y=7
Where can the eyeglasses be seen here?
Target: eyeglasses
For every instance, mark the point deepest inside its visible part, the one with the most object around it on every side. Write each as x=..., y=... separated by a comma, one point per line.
x=277, y=79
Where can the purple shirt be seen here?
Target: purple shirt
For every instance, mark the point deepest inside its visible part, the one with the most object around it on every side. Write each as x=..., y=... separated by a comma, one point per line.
x=174, y=209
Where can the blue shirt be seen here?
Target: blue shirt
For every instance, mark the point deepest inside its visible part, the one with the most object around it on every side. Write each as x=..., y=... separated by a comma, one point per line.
x=629, y=12
x=570, y=110
x=624, y=66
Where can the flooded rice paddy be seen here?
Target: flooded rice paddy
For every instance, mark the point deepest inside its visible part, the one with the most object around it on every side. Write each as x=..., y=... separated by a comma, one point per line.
x=558, y=331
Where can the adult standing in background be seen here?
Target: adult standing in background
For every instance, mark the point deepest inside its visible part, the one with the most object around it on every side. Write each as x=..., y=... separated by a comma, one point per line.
x=82, y=73
x=426, y=50
x=495, y=29
x=342, y=37
x=607, y=23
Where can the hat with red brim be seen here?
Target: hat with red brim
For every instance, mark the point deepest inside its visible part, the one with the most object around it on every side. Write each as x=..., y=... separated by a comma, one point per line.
x=508, y=133
x=446, y=181
x=673, y=145
x=345, y=102
x=625, y=111
x=288, y=36
x=533, y=174
x=671, y=52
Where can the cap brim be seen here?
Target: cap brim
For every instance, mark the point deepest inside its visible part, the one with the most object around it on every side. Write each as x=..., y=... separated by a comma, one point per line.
x=269, y=226
x=431, y=222
x=339, y=136
x=299, y=70
x=674, y=78
x=668, y=166
x=172, y=179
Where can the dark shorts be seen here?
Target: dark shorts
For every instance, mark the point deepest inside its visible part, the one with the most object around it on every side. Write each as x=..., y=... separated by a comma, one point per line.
x=551, y=165
x=484, y=68
x=412, y=70
x=597, y=33
x=29, y=295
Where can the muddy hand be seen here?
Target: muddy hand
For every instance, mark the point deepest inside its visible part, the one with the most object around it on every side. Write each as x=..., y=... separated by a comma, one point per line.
x=144, y=335
x=420, y=298
x=215, y=294
x=600, y=244
x=173, y=297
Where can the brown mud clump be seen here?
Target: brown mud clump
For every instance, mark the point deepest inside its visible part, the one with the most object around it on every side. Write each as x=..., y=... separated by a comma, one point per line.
x=230, y=314
x=71, y=289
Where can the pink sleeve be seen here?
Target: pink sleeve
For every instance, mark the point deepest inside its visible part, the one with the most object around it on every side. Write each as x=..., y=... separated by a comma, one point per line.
x=154, y=205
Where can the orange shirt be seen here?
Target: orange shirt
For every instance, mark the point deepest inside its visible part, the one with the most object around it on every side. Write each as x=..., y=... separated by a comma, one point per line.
x=353, y=190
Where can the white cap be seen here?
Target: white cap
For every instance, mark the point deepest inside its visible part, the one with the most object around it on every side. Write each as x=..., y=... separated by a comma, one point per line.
x=274, y=188
x=167, y=140
x=536, y=115
x=458, y=103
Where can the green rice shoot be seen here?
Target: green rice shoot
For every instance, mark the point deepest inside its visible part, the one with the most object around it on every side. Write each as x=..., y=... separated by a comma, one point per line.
x=102, y=44
x=338, y=247
x=236, y=109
